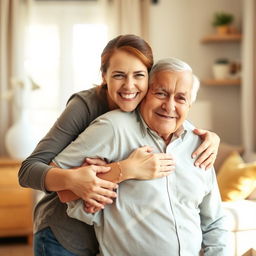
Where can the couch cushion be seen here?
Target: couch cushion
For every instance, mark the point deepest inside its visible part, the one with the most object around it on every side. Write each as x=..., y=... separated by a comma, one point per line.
x=224, y=151
x=240, y=215
x=236, y=179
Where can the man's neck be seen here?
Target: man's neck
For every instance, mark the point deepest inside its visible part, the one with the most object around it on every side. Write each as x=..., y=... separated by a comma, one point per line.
x=167, y=139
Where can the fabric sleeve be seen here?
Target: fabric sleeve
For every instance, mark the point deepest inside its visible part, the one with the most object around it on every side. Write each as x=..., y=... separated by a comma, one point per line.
x=213, y=223
x=76, y=210
x=72, y=122
x=97, y=141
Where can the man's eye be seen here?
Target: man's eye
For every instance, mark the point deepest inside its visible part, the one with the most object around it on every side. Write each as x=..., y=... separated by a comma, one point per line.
x=182, y=99
x=160, y=94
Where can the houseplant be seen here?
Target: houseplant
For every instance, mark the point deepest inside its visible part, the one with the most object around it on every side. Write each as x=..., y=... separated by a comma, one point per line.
x=222, y=21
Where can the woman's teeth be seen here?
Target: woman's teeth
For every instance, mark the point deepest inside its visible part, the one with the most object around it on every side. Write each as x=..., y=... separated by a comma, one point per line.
x=128, y=96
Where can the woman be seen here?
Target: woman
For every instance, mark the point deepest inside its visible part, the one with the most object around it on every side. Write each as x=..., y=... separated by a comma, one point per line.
x=125, y=63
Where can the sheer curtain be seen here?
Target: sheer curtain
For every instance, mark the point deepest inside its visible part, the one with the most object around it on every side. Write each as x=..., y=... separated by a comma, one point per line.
x=249, y=79
x=129, y=16
x=65, y=39
x=13, y=15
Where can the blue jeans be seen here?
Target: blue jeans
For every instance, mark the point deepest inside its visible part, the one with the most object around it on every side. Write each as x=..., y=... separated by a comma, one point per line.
x=45, y=244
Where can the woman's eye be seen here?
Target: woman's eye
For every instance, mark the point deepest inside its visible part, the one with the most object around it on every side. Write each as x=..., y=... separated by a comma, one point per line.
x=140, y=75
x=118, y=76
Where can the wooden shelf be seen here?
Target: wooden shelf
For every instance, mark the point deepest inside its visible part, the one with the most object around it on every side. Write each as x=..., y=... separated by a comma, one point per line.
x=226, y=82
x=222, y=38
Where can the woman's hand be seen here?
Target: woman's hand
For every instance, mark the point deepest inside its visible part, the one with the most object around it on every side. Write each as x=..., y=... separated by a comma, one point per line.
x=142, y=164
x=93, y=190
x=94, y=161
x=82, y=182
x=91, y=209
x=206, y=153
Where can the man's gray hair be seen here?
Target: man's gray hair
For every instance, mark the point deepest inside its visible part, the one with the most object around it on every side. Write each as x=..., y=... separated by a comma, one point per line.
x=174, y=64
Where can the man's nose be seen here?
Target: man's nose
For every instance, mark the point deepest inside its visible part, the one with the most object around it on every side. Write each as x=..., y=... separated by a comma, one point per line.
x=169, y=105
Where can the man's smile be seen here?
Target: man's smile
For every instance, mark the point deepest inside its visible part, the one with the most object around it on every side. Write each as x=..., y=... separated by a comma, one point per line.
x=166, y=116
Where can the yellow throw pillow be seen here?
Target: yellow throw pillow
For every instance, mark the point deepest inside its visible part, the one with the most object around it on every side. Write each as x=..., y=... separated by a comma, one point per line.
x=224, y=151
x=236, y=179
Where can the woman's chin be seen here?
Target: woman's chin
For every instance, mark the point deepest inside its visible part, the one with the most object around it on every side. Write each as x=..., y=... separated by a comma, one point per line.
x=128, y=107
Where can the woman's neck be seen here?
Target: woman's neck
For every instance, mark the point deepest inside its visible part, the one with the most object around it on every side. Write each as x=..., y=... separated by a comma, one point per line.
x=111, y=104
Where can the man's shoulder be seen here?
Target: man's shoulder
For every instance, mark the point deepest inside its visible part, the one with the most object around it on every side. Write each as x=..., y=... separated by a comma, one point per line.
x=189, y=127
x=117, y=115
x=117, y=119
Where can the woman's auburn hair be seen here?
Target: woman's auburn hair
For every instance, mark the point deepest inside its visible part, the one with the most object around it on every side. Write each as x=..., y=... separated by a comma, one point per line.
x=131, y=44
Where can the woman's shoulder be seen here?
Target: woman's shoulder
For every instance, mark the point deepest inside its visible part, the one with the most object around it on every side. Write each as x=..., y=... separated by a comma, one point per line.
x=86, y=96
x=94, y=99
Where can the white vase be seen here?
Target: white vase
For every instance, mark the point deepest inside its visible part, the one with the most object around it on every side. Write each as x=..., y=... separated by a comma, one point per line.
x=22, y=137
x=221, y=71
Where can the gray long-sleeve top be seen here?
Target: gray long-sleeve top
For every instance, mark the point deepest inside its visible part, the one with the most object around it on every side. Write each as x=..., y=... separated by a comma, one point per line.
x=82, y=108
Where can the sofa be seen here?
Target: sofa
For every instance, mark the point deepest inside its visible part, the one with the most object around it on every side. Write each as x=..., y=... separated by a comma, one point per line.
x=237, y=184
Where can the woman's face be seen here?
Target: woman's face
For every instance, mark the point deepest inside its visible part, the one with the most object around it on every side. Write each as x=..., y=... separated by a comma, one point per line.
x=127, y=81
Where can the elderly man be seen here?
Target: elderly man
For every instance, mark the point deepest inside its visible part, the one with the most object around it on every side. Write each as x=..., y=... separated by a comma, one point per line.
x=176, y=215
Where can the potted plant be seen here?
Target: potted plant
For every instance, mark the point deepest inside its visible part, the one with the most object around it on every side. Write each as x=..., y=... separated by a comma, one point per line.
x=221, y=21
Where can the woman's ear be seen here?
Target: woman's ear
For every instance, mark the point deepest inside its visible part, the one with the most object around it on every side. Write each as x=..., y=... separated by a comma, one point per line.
x=103, y=78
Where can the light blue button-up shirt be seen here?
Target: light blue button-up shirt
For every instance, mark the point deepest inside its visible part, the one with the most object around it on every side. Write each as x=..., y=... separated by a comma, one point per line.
x=174, y=215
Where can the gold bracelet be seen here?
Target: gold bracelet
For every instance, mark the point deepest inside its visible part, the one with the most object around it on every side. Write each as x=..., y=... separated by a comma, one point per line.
x=120, y=172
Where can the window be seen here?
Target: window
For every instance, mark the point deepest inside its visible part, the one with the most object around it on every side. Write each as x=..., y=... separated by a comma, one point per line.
x=63, y=47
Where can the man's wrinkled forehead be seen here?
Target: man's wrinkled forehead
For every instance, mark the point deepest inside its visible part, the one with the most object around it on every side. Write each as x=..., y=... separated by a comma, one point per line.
x=166, y=79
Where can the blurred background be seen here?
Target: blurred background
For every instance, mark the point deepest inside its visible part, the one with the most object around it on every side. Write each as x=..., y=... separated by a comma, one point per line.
x=50, y=49
x=54, y=46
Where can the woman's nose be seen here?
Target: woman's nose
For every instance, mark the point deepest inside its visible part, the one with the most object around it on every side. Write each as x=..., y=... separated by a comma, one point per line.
x=129, y=83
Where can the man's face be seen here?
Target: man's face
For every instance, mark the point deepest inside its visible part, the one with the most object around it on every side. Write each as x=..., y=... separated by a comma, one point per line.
x=167, y=102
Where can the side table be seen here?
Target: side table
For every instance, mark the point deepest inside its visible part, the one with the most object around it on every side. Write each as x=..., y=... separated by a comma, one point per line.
x=16, y=203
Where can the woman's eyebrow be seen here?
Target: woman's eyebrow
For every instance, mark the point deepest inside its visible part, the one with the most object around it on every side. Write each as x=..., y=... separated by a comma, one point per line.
x=118, y=71
x=140, y=71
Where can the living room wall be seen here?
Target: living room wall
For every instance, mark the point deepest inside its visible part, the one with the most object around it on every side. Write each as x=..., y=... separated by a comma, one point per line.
x=176, y=28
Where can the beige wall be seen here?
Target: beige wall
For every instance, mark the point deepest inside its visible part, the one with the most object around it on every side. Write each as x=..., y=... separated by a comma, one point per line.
x=176, y=27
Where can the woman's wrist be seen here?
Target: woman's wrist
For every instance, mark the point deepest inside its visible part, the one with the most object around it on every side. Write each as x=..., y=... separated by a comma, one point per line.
x=58, y=179
x=127, y=170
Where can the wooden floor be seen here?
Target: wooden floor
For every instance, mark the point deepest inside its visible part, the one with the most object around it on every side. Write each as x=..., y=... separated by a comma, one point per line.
x=15, y=247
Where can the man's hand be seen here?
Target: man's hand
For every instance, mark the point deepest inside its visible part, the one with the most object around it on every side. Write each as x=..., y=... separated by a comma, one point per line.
x=206, y=153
